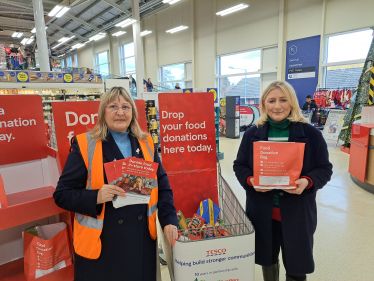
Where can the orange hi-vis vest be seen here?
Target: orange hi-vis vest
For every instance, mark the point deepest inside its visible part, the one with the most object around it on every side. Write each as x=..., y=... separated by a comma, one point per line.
x=87, y=230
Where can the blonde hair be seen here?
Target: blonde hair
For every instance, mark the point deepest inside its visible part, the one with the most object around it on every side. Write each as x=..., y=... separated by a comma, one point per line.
x=100, y=131
x=288, y=90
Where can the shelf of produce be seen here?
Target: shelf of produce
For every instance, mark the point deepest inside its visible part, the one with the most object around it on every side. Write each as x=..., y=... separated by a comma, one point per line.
x=28, y=206
x=13, y=271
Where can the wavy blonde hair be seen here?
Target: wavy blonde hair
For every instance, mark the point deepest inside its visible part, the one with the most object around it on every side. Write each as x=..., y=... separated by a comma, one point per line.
x=288, y=90
x=100, y=131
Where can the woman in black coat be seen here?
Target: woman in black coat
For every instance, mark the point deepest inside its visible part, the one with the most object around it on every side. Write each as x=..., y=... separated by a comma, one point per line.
x=290, y=229
x=128, y=252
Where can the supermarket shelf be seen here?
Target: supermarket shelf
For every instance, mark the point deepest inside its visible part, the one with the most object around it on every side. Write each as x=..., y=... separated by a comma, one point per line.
x=7, y=85
x=13, y=271
x=28, y=206
x=48, y=101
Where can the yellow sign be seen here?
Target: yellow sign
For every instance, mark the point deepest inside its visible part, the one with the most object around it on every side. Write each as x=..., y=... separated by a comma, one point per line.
x=22, y=76
x=223, y=102
x=215, y=93
x=187, y=91
x=68, y=78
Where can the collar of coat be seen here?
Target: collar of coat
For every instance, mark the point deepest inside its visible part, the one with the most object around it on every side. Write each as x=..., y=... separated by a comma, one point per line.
x=111, y=150
x=297, y=133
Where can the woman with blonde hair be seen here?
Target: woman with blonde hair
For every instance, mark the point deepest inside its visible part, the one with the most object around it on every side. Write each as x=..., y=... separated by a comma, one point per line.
x=284, y=220
x=114, y=244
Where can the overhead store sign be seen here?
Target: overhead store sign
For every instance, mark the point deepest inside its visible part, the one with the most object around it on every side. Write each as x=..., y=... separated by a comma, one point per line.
x=22, y=129
x=302, y=62
x=188, y=148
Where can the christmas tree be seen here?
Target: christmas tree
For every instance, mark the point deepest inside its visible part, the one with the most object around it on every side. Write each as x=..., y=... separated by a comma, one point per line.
x=360, y=99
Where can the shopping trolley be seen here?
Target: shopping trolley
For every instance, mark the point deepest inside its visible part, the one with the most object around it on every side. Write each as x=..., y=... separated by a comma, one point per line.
x=307, y=115
x=220, y=257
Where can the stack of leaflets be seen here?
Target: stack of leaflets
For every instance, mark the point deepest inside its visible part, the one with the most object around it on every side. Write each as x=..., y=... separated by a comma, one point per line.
x=135, y=176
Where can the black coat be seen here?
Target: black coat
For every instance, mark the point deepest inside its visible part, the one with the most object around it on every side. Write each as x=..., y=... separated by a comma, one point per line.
x=298, y=212
x=310, y=106
x=128, y=251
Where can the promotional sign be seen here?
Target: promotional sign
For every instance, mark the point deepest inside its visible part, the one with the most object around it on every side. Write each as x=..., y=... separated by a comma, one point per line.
x=42, y=77
x=302, y=62
x=215, y=92
x=277, y=165
x=333, y=125
x=68, y=78
x=8, y=76
x=59, y=77
x=74, y=118
x=188, y=90
x=229, y=258
x=22, y=132
x=187, y=128
x=246, y=116
x=85, y=78
x=22, y=76
x=222, y=102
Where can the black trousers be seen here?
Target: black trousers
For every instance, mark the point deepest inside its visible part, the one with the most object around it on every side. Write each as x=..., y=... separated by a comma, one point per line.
x=278, y=244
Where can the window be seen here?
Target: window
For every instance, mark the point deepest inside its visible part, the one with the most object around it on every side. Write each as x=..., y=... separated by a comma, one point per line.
x=127, y=55
x=76, y=60
x=102, y=62
x=345, y=57
x=62, y=63
x=248, y=87
x=180, y=73
x=69, y=62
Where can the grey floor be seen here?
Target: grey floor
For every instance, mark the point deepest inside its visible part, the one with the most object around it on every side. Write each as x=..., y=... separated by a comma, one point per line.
x=344, y=240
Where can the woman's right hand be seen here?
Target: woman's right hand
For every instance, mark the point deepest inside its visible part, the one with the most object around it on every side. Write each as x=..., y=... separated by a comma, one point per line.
x=107, y=192
x=252, y=180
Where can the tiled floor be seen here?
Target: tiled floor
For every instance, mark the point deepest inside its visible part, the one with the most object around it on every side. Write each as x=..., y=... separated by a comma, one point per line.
x=344, y=240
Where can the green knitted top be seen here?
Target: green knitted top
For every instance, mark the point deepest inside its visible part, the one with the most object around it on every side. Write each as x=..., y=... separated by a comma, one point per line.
x=279, y=132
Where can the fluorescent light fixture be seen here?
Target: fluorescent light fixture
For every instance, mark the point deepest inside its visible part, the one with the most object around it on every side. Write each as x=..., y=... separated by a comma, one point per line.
x=145, y=32
x=97, y=36
x=55, y=10
x=61, y=55
x=32, y=37
x=34, y=29
x=63, y=40
x=19, y=35
x=77, y=46
x=171, y=2
x=232, y=9
x=62, y=12
x=126, y=22
x=15, y=34
x=30, y=41
x=118, y=33
x=24, y=40
x=176, y=29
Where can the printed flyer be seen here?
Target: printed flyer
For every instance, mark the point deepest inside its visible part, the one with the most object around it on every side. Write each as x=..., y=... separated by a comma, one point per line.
x=277, y=165
x=135, y=176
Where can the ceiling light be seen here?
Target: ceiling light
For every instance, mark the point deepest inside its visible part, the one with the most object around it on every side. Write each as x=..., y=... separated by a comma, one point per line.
x=24, y=40
x=34, y=29
x=15, y=34
x=77, y=46
x=61, y=55
x=232, y=9
x=19, y=35
x=30, y=41
x=176, y=29
x=55, y=10
x=145, y=32
x=118, y=33
x=62, y=12
x=171, y=2
x=126, y=22
x=63, y=40
x=97, y=36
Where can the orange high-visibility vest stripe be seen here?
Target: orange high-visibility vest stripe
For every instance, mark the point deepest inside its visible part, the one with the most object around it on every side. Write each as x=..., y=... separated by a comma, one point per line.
x=87, y=230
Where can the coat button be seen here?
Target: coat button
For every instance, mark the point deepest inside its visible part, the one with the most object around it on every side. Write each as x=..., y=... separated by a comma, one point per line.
x=281, y=193
x=120, y=221
x=140, y=217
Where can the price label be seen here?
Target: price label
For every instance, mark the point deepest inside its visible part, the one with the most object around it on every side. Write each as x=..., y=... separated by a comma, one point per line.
x=22, y=77
x=68, y=78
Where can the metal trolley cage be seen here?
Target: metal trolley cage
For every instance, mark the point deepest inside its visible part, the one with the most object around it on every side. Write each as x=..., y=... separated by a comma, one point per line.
x=307, y=115
x=234, y=219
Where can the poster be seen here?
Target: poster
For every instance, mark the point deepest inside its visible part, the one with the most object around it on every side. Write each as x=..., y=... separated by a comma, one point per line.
x=68, y=78
x=302, y=63
x=333, y=125
x=22, y=132
x=187, y=128
x=22, y=76
x=85, y=78
x=8, y=76
x=42, y=77
x=74, y=118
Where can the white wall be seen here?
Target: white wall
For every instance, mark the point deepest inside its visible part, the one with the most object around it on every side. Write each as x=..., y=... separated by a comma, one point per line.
x=209, y=35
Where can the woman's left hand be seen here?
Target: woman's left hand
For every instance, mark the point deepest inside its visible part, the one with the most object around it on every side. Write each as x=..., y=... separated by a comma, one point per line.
x=171, y=233
x=301, y=185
